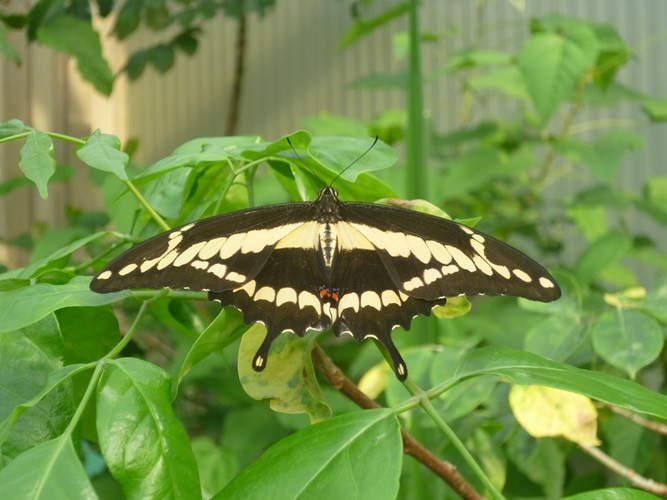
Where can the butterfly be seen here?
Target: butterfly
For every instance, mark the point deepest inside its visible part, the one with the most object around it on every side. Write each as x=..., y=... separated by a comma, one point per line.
x=356, y=268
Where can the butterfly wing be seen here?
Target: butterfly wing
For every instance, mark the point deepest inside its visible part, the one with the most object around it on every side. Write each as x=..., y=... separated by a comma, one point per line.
x=215, y=254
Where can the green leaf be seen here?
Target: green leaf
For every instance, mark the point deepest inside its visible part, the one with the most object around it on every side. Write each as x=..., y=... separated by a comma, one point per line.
x=55, y=383
x=656, y=109
x=557, y=337
x=477, y=58
x=289, y=379
x=102, y=151
x=89, y=333
x=325, y=124
x=613, y=54
x=162, y=57
x=363, y=27
x=49, y=262
x=12, y=127
x=656, y=191
x=336, y=153
x=217, y=465
x=224, y=330
x=51, y=470
x=21, y=307
x=628, y=340
x=28, y=356
x=591, y=220
x=75, y=36
x=137, y=62
x=615, y=493
x=36, y=160
x=603, y=252
x=604, y=156
x=510, y=81
x=7, y=50
x=480, y=166
x=128, y=19
x=381, y=81
x=552, y=64
x=144, y=445
x=541, y=460
x=463, y=398
x=321, y=458
x=529, y=369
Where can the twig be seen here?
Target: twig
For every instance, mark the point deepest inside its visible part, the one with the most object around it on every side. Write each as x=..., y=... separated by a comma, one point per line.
x=239, y=71
x=644, y=422
x=411, y=446
x=635, y=479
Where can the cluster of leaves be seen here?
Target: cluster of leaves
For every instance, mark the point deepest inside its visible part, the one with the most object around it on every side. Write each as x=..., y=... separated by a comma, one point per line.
x=65, y=388
x=68, y=27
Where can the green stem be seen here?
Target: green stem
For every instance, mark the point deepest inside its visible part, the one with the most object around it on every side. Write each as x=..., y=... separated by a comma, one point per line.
x=425, y=403
x=130, y=333
x=92, y=384
x=156, y=217
x=416, y=159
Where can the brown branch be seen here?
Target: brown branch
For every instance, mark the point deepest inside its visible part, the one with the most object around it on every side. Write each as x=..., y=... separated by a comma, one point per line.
x=446, y=471
x=239, y=71
x=644, y=422
x=635, y=479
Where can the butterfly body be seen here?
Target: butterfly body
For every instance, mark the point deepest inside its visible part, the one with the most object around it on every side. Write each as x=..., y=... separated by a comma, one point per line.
x=356, y=268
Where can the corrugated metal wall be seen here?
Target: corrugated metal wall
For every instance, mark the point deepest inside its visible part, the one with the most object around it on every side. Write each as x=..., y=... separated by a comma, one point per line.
x=293, y=70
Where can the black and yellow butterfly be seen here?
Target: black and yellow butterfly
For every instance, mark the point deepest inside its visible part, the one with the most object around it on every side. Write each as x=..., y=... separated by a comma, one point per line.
x=356, y=268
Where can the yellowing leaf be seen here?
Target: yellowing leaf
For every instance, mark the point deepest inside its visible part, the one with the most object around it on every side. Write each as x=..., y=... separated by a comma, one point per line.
x=374, y=381
x=543, y=411
x=288, y=380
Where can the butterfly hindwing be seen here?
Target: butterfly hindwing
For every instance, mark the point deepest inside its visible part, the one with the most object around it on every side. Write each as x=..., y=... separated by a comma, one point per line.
x=371, y=305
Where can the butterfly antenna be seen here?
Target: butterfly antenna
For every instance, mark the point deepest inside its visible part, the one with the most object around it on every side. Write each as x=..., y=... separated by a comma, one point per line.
x=355, y=161
x=304, y=163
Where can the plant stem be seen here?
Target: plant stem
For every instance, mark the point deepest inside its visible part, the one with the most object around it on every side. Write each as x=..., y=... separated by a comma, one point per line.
x=239, y=67
x=425, y=403
x=156, y=217
x=416, y=159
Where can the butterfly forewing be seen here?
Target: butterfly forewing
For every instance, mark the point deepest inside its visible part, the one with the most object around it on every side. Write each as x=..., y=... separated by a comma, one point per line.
x=430, y=257
x=218, y=253
x=356, y=268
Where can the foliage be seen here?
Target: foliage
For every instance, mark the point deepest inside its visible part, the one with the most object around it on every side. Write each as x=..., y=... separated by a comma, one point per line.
x=68, y=27
x=153, y=414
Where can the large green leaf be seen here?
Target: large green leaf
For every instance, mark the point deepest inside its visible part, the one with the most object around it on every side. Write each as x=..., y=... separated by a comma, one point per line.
x=355, y=455
x=36, y=160
x=28, y=356
x=144, y=445
x=75, y=36
x=21, y=307
x=49, y=471
x=552, y=63
x=529, y=369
